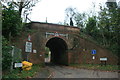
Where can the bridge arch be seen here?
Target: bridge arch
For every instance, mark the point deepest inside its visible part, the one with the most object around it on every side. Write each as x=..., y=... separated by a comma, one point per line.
x=58, y=48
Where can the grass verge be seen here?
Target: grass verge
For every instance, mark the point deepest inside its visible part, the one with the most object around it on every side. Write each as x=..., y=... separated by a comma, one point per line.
x=16, y=73
x=96, y=67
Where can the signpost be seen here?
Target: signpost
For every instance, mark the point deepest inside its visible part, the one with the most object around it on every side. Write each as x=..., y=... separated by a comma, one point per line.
x=28, y=46
x=93, y=52
x=103, y=61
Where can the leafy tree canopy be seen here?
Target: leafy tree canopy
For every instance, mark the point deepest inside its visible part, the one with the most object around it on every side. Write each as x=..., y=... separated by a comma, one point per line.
x=11, y=22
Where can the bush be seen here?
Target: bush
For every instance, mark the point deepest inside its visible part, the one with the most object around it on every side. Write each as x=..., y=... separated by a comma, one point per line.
x=17, y=56
x=6, y=54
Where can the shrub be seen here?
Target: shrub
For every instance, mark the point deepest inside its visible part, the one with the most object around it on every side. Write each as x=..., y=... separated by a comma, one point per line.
x=6, y=54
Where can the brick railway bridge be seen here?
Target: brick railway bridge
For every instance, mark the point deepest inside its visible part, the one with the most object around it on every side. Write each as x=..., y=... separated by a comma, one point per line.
x=65, y=44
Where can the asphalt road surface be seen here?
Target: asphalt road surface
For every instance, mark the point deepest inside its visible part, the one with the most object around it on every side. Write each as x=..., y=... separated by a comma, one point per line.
x=65, y=72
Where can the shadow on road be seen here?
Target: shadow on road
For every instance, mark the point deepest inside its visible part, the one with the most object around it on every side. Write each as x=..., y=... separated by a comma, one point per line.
x=53, y=64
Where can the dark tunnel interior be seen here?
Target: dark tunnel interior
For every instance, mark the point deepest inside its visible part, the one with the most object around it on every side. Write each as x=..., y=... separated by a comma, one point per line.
x=58, y=48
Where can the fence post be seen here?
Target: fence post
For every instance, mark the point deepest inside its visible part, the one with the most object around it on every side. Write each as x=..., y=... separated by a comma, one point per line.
x=12, y=58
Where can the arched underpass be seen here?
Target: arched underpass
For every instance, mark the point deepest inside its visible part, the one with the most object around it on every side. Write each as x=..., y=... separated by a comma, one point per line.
x=79, y=47
x=58, y=48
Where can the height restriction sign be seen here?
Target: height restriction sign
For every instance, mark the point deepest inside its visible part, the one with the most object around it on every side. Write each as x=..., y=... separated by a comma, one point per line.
x=28, y=47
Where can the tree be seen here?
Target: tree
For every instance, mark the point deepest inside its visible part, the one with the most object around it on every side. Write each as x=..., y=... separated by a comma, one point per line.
x=91, y=28
x=109, y=26
x=103, y=24
x=23, y=6
x=11, y=22
x=70, y=13
x=80, y=19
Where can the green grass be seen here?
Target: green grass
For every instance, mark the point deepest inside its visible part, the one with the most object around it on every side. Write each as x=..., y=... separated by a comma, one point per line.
x=96, y=67
x=23, y=74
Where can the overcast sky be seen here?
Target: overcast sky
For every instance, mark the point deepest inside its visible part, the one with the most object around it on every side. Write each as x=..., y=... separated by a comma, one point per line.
x=54, y=10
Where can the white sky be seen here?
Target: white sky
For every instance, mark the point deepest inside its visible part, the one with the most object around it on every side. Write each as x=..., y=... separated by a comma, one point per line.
x=54, y=10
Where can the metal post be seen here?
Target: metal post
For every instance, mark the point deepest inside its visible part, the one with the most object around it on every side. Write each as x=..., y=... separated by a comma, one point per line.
x=28, y=56
x=12, y=58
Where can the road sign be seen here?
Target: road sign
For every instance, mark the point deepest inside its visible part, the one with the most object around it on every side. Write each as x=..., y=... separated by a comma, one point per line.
x=93, y=51
x=93, y=57
x=34, y=51
x=18, y=65
x=28, y=47
x=29, y=38
x=103, y=59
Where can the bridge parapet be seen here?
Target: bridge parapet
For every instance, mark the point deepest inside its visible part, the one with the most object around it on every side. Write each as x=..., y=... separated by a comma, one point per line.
x=54, y=27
